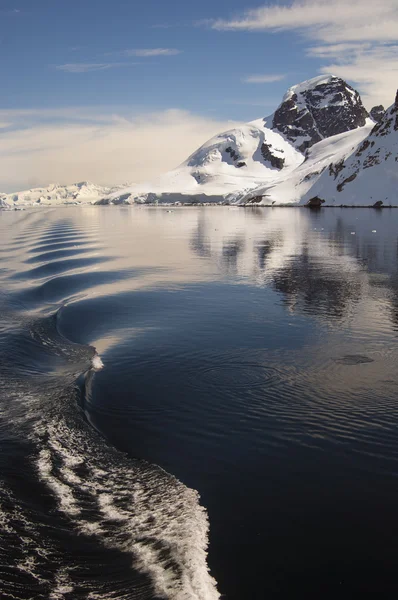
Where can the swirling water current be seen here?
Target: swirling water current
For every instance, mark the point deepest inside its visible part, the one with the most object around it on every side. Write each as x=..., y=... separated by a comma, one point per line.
x=198, y=403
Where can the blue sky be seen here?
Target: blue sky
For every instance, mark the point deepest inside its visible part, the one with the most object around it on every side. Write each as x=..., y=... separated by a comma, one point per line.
x=206, y=76
x=94, y=63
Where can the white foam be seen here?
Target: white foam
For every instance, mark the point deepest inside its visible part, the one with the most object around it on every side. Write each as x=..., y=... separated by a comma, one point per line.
x=139, y=510
x=63, y=586
x=96, y=363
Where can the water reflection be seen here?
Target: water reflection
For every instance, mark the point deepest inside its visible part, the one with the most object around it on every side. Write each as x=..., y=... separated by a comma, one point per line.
x=323, y=263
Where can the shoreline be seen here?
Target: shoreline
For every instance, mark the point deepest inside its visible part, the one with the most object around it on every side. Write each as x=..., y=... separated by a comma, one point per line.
x=197, y=205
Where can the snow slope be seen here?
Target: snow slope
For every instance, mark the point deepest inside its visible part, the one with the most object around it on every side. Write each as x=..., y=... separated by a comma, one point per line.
x=292, y=188
x=230, y=162
x=370, y=173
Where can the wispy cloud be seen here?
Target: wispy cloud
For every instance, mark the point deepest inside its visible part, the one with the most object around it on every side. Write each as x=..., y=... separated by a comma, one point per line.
x=328, y=20
x=10, y=13
x=106, y=145
x=147, y=52
x=335, y=50
x=263, y=78
x=374, y=69
x=88, y=67
x=268, y=104
x=162, y=26
x=357, y=38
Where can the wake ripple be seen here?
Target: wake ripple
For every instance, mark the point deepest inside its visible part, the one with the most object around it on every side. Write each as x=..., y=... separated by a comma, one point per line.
x=79, y=519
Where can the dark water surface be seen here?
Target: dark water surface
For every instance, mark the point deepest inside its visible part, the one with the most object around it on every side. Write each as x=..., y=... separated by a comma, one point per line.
x=250, y=357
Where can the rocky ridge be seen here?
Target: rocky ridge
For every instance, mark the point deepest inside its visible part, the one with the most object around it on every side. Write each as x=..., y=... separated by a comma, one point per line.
x=370, y=173
x=317, y=109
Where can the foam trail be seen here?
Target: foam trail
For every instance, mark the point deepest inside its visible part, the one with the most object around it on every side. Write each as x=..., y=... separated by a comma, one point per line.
x=121, y=504
x=96, y=363
x=133, y=508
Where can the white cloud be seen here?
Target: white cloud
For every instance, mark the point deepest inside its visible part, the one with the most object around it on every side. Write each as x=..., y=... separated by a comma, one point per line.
x=103, y=146
x=357, y=37
x=335, y=50
x=263, y=78
x=88, y=67
x=375, y=71
x=327, y=20
x=147, y=52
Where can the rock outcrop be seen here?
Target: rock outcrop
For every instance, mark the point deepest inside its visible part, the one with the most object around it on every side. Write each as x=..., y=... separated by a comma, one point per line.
x=377, y=113
x=318, y=109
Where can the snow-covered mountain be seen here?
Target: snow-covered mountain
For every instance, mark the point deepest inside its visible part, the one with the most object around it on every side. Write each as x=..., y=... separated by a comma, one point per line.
x=76, y=193
x=225, y=166
x=267, y=151
x=320, y=141
x=370, y=173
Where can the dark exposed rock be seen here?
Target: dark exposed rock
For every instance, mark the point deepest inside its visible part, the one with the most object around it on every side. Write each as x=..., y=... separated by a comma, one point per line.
x=395, y=111
x=123, y=199
x=319, y=111
x=335, y=169
x=364, y=146
x=276, y=161
x=103, y=202
x=378, y=204
x=235, y=157
x=315, y=202
x=233, y=154
x=310, y=176
x=377, y=113
x=255, y=200
x=348, y=180
x=372, y=160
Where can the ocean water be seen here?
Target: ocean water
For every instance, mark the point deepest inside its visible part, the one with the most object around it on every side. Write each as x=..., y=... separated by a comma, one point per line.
x=198, y=403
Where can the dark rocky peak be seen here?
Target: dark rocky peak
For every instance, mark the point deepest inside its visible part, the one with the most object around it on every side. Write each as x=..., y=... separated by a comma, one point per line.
x=377, y=113
x=318, y=108
x=388, y=122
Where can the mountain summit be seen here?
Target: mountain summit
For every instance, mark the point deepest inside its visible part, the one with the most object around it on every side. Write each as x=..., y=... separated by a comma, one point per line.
x=317, y=109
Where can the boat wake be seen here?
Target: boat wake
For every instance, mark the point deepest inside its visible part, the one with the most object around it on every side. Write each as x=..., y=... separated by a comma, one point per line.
x=78, y=518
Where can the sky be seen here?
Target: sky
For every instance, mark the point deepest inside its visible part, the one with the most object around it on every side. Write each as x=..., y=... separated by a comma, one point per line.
x=123, y=91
